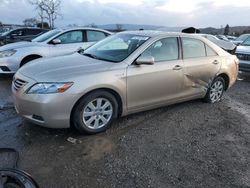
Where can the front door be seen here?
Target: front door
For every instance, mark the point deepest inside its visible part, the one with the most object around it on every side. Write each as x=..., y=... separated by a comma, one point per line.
x=149, y=85
x=70, y=42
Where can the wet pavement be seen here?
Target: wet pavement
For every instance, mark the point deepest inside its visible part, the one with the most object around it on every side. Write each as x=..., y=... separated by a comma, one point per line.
x=193, y=144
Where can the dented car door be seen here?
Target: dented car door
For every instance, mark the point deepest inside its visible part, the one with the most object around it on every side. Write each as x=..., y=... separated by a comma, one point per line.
x=201, y=64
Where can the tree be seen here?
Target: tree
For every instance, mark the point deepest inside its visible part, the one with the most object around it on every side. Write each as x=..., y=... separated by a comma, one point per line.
x=30, y=22
x=226, y=30
x=47, y=9
x=39, y=7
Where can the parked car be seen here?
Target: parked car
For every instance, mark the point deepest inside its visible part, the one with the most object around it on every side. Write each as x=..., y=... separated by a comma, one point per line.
x=20, y=34
x=222, y=37
x=231, y=38
x=225, y=45
x=241, y=39
x=125, y=73
x=51, y=44
x=243, y=53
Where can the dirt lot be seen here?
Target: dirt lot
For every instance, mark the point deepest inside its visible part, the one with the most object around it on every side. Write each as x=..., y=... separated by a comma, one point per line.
x=192, y=144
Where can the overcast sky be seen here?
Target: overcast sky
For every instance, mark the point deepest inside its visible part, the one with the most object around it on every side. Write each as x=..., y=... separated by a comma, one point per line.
x=198, y=13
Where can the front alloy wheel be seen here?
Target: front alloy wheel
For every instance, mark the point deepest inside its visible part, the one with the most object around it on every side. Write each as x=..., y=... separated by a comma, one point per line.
x=95, y=112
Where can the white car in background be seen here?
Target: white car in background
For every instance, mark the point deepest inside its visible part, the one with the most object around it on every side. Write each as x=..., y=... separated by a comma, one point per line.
x=225, y=45
x=51, y=44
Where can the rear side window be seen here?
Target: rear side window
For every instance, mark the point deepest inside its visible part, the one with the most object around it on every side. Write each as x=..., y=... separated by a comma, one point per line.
x=210, y=51
x=33, y=31
x=193, y=48
x=93, y=36
x=164, y=50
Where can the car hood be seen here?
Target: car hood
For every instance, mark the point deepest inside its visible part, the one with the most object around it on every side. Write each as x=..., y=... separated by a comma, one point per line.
x=243, y=49
x=226, y=45
x=18, y=45
x=63, y=68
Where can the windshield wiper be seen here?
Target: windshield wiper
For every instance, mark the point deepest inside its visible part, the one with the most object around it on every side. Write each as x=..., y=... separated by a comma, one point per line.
x=95, y=57
x=90, y=55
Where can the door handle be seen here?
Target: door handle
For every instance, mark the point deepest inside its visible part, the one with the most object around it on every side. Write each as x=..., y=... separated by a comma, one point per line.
x=177, y=67
x=215, y=62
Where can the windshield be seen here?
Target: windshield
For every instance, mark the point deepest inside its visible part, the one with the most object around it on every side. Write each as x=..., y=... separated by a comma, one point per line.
x=6, y=33
x=246, y=42
x=46, y=36
x=242, y=38
x=115, y=48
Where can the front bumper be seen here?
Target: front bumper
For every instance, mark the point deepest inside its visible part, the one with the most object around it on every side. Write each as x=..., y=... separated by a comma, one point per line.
x=244, y=66
x=9, y=65
x=48, y=110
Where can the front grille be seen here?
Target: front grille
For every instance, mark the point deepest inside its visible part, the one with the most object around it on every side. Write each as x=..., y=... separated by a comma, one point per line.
x=245, y=57
x=18, y=84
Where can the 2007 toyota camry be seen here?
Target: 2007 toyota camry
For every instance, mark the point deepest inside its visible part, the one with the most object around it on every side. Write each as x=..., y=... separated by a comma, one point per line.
x=123, y=74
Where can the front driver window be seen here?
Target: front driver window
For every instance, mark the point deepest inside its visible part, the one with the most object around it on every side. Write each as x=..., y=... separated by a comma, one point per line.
x=71, y=37
x=163, y=50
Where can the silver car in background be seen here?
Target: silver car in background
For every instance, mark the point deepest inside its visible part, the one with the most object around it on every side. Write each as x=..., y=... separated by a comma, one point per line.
x=125, y=73
x=243, y=53
x=51, y=44
x=225, y=45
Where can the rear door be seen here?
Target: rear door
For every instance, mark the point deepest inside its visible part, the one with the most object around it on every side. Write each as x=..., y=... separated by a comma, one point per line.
x=201, y=64
x=71, y=41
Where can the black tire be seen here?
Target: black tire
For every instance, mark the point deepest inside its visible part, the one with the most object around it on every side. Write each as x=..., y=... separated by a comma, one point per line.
x=28, y=59
x=209, y=97
x=77, y=116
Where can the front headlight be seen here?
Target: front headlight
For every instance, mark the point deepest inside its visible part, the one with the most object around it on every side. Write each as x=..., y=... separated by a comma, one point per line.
x=48, y=88
x=7, y=53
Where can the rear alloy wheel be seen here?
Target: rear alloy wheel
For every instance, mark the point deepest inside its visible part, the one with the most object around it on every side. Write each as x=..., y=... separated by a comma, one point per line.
x=95, y=112
x=216, y=90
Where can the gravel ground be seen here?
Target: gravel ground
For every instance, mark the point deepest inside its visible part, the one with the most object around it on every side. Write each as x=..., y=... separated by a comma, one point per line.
x=192, y=144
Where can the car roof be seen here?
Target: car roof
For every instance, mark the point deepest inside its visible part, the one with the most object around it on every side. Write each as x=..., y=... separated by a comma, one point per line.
x=153, y=33
x=84, y=28
x=28, y=28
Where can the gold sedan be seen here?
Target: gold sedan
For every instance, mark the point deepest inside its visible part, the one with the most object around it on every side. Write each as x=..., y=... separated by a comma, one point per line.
x=125, y=73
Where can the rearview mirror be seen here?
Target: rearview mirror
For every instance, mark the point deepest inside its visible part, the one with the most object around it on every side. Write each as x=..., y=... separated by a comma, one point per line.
x=145, y=60
x=56, y=41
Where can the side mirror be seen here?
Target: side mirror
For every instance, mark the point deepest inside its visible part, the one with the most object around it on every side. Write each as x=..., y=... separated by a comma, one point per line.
x=80, y=50
x=145, y=60
x=56, y=41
